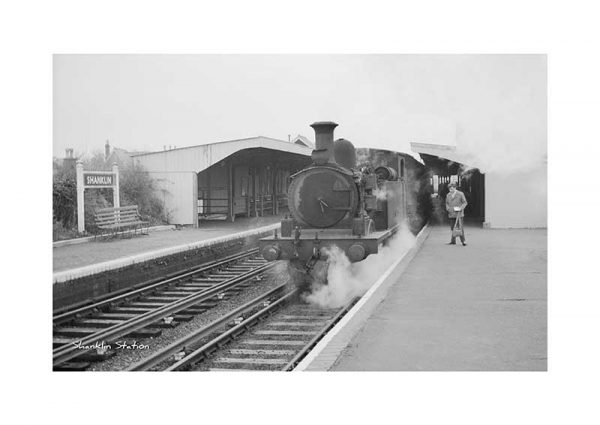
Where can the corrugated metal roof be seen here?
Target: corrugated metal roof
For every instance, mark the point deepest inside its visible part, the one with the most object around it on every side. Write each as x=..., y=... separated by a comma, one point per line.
x=200, y=157
x=444, y=151
x=305, y=140
x=249, y=140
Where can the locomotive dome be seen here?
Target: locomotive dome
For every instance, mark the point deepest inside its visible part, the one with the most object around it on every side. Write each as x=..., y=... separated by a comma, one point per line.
x=344, y=153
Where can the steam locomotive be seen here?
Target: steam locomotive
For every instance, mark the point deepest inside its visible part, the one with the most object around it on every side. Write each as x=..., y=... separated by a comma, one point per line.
x=334, y=202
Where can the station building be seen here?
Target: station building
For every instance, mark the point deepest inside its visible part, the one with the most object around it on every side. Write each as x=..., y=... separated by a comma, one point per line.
x=497, y=199
x=250, y=177
x=245, y=177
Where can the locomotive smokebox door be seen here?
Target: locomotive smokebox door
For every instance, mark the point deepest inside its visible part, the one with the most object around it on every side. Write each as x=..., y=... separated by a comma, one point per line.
x=320, y=197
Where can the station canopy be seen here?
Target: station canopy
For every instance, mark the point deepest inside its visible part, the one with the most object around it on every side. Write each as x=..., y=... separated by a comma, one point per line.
x=442, y=157
x=200, y=157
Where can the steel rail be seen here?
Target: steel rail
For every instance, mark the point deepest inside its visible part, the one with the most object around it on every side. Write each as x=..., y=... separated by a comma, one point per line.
x=69, y=351
x=63, y=317
x=322, y=332
x=201, y=352
x=187, y=341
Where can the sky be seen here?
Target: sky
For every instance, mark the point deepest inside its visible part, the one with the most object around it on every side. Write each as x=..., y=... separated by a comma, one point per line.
x=492, y=107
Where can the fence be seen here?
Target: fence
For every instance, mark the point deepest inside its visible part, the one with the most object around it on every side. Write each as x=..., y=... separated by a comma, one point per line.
x=255, y=206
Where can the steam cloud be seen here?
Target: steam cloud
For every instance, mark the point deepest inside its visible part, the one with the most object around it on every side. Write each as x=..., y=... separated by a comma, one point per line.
x=380, y=194
x=345, y=280
x=503, y=148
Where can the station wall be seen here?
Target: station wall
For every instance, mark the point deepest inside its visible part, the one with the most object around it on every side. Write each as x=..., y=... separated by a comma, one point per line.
x=178, y=191
x=517, y=200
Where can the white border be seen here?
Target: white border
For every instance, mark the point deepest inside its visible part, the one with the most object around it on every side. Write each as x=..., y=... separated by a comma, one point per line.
x=567, y=32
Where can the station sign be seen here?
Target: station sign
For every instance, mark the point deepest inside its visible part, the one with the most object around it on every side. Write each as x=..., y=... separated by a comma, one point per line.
x=98, y=179
x=94, y=180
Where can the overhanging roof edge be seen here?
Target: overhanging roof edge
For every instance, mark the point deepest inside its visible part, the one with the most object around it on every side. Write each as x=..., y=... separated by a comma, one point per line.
x=200, y=157
x=258, y=139
x=443, y=151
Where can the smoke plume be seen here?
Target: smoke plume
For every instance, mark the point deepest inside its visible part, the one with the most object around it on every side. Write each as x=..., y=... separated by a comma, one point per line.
x=344, y=280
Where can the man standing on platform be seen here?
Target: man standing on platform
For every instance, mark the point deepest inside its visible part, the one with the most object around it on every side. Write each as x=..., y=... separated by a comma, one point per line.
x=455, y=205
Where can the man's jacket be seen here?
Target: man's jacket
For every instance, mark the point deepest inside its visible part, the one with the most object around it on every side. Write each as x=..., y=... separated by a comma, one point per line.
x=458, y=200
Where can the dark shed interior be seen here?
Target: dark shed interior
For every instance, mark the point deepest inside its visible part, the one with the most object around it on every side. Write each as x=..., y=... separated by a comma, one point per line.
x=252, y=183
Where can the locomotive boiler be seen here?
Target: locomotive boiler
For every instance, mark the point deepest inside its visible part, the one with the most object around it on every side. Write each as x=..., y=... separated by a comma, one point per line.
x=333, y=202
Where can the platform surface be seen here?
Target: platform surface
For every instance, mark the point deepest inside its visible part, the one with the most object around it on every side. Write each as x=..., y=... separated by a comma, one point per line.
x=100, y=251
x=475, y=308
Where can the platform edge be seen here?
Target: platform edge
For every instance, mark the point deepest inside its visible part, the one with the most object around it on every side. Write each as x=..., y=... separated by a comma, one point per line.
x=329, y=349
x=66, y=275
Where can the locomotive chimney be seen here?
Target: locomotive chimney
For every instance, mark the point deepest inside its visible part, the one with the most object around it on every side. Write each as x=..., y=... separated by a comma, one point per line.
x=323, y=152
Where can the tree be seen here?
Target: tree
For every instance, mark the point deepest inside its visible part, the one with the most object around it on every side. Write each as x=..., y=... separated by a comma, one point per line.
x=64, y=194
x=138, y=188
x=64, y=197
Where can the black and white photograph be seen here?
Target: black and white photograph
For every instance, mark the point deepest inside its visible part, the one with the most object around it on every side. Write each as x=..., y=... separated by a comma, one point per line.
x=300, y=212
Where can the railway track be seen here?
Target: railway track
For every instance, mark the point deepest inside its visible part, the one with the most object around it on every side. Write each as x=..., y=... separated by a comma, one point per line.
x=80, y=336
x=270, y=333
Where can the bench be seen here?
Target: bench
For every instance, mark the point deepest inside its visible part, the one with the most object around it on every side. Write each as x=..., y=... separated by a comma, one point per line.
x=115, y=220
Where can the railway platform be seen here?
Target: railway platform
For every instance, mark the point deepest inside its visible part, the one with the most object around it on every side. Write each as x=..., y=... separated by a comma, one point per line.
x=99, y=251
x=475, y=308
x=87, y=272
